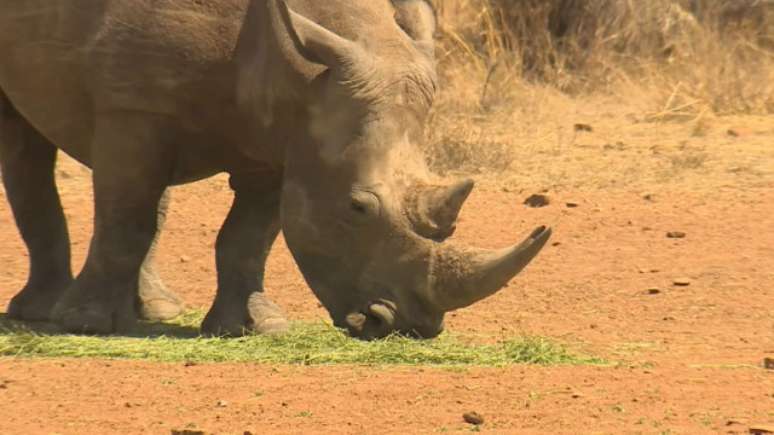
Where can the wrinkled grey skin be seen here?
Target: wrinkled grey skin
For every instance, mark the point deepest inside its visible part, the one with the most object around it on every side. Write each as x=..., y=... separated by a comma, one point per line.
x=316, y=111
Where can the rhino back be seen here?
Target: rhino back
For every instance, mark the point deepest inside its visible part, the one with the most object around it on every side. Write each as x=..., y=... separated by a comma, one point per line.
x=64, y=61
x=203, y=63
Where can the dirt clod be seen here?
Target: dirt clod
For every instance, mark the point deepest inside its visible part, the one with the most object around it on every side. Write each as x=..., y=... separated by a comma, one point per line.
x=681, y=282
x=473, y=418
x=222, y=404
x=572, y=204
x=654, y=291
x=768, y=363
x=185, y=259
x=537, y=200
x=676, y=235
x=584, y=128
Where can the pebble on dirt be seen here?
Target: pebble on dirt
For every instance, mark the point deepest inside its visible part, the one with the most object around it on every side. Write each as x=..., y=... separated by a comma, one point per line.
x=473, y=418
x=583, y=127
x=681, y=282
x=768, y=363
x=654, y=291
x=537, y=200
x=676, y=235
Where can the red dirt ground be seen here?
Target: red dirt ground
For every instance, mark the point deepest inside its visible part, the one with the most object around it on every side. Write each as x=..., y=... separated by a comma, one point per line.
x=690, y=356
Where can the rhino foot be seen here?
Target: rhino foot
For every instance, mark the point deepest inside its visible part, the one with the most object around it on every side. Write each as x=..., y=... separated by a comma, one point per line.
x=161, y=309
x=155, y=302
x=261, y=317
x=78, y=313
x=34, y=304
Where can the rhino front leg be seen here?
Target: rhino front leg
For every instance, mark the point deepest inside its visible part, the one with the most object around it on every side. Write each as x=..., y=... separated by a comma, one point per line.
x=155, y=302
x=242, y=248
x=130, y=168
x=27, y=162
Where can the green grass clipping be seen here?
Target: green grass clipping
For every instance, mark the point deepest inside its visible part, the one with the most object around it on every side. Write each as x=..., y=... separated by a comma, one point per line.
x=315, y=343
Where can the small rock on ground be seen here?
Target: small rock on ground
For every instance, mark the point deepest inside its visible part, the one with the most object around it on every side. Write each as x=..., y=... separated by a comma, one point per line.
x=583, y=127
x=768, y=363
x=473, y=418
x=537, y=200
x=681, y=282
x=676, y=235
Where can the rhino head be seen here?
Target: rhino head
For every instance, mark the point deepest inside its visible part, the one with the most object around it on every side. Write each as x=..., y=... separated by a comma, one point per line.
x=360, y=216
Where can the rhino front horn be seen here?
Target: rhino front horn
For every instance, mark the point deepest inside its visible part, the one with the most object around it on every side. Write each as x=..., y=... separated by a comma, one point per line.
x=435, y=209
x=464, y=277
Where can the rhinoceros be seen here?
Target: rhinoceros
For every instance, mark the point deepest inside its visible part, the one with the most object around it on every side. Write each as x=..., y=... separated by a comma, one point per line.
x=316, y=111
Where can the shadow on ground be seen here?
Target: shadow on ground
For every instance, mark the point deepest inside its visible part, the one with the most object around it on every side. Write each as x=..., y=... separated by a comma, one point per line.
x=181, y=329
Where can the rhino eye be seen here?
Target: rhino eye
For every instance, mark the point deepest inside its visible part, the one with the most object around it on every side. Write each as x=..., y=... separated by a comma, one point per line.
x=364, y=204
x=359, y=207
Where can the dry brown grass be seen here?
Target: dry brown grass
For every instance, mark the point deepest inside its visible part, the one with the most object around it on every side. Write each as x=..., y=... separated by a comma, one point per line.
x=718, y=57
x=518, y=73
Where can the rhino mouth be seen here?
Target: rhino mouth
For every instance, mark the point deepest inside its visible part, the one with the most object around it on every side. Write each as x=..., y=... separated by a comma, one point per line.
x=380, y=319
x=376, y=320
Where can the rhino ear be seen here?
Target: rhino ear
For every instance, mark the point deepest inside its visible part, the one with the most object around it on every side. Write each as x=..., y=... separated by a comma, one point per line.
x=313, y=41
x=419, y=20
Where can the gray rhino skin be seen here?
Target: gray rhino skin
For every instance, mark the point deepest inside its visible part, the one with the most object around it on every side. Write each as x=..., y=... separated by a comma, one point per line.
x=314, y=108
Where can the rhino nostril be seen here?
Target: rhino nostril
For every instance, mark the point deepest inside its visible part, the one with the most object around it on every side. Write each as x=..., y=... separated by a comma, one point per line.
x=356, y=322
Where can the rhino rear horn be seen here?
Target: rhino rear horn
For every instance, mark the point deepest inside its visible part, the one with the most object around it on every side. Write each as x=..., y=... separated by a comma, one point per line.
x=313, y=41
x=434, y=210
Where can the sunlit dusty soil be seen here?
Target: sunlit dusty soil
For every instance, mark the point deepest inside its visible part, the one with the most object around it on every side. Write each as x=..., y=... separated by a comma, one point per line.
x=687, y=358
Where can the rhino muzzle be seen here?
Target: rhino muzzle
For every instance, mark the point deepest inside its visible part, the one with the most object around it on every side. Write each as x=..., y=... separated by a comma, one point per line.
x=458, y=277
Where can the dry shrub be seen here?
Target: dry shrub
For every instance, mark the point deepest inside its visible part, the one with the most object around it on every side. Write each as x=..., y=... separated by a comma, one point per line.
x=695, y=55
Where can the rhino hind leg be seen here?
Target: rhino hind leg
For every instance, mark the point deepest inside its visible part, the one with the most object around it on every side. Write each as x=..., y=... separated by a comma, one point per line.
x=130, y=172
x=27, y=163
x=242, y=248
x=154, y=301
